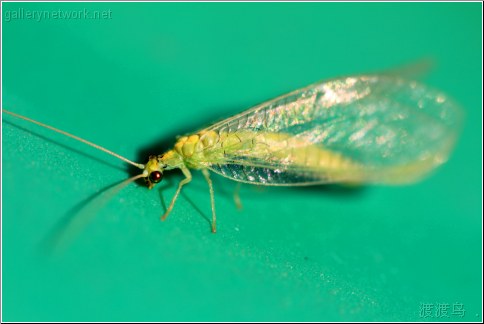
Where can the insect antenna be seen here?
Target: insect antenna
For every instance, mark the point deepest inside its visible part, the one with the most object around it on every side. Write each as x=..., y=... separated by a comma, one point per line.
x=70, y=228
x=138, y=165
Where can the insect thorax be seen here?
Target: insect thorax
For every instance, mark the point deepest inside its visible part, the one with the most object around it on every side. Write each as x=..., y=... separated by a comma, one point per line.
x=190, y=148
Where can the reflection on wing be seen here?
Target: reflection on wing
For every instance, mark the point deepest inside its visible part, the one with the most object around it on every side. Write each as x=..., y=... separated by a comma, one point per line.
x=367, y=128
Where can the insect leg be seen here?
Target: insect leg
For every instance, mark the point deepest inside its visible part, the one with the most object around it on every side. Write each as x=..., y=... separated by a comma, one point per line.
x=206, y=174
x=188, y=178
x=237, y=201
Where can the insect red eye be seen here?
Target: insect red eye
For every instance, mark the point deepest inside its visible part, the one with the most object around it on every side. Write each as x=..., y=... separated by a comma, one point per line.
x=156, y=176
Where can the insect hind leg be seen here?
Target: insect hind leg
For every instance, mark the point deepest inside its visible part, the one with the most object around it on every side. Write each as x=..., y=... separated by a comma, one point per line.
x=206, y=174
x=236, y=196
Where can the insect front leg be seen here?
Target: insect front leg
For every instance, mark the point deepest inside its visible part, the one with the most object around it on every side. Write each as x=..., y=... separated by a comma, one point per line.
x=188, y=178
x=206, y=174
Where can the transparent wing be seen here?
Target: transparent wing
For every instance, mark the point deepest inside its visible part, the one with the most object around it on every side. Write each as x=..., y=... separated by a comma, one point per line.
x=375, y=128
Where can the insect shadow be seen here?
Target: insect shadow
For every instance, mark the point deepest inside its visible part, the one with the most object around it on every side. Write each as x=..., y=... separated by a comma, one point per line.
x=75, y=221
x=76, y=151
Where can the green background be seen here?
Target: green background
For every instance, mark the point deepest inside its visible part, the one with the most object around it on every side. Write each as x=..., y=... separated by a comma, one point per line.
x=157, y=70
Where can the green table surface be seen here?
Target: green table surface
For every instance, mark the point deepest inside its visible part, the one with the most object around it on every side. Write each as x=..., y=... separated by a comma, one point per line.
x=146, y=72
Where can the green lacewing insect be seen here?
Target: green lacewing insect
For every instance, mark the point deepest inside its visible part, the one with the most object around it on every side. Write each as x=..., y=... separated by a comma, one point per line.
x=377, y=128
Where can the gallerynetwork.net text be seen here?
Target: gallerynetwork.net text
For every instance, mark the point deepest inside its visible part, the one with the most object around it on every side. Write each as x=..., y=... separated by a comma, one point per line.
x=39, y=15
